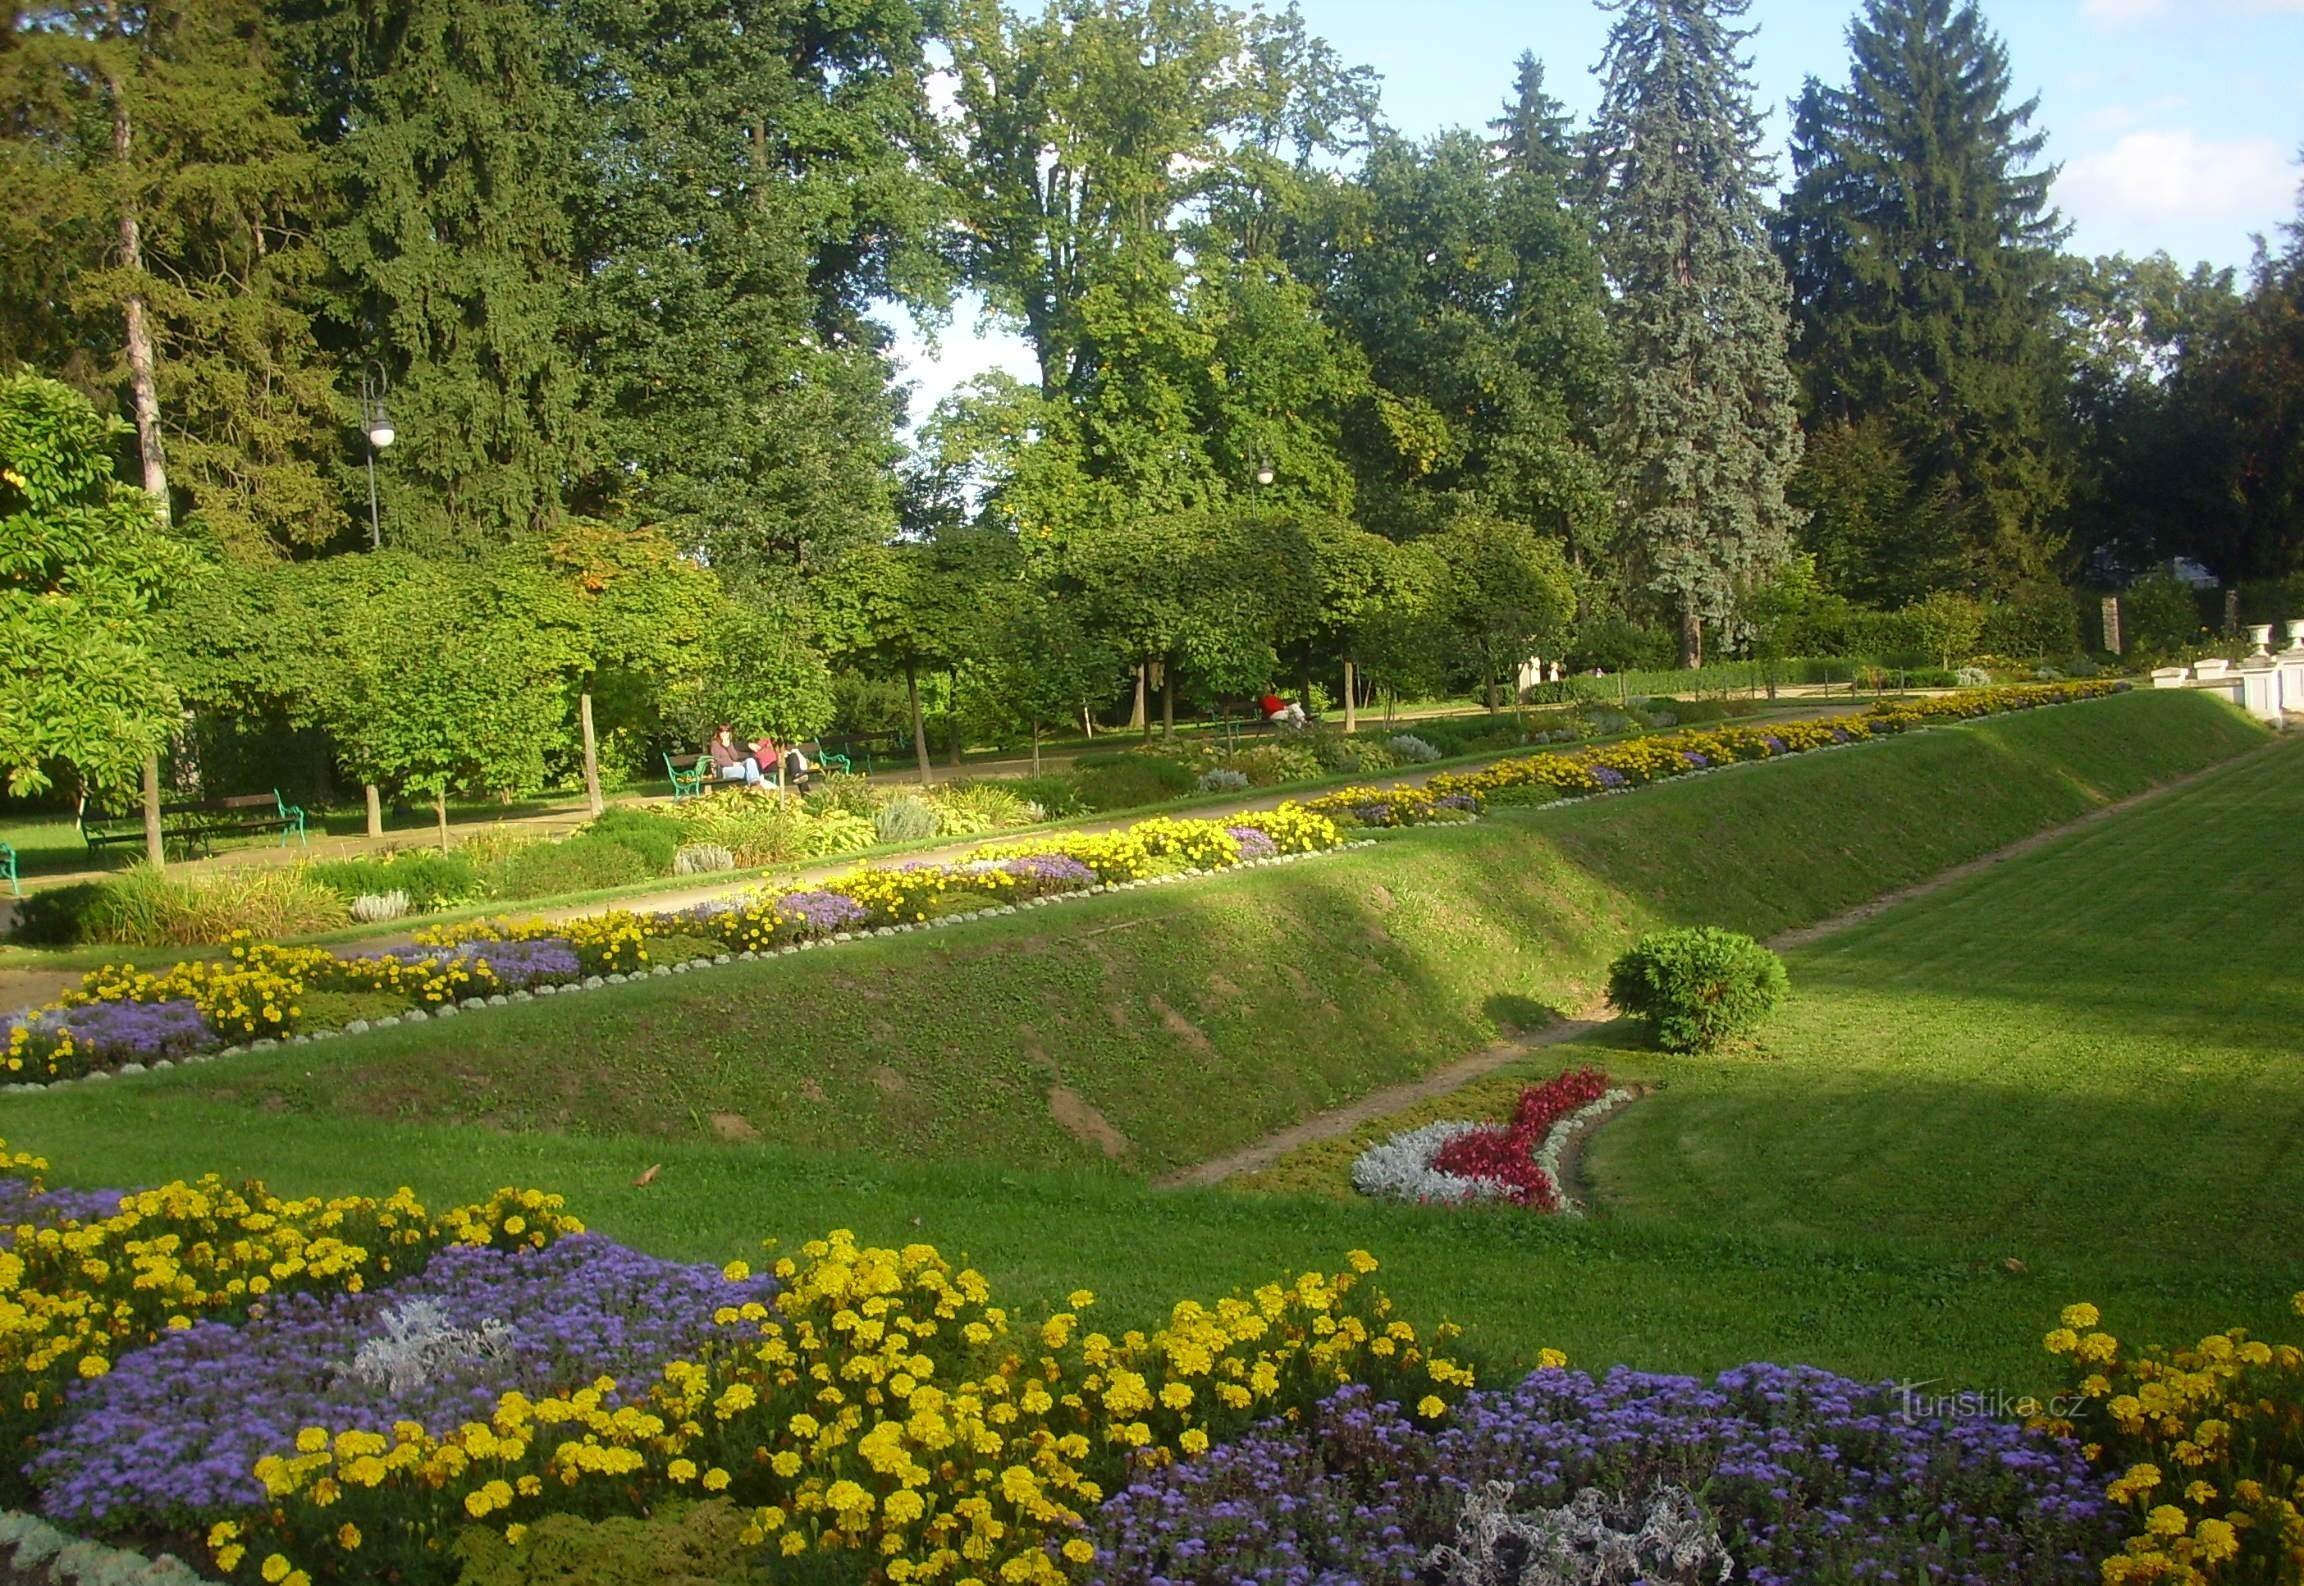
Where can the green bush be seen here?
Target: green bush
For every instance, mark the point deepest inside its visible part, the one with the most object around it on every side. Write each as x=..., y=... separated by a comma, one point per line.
x=1125, y=781
x=56, y=916
x=655, y=838
x=1270, y=764
x=432, y=879
x=1697, y=988
x=673, y=947
x=906, y=818
x=676, y=1546
x=973, y=805
x=580, y=864
x=143, y=907
x=852, y=794
x=1057, y=795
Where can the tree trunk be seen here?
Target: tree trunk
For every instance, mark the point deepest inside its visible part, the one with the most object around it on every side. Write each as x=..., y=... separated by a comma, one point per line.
x=143, y=377
x=1088, y=723
x=1691, y=637
x=919, y=727
x=155, y=851
x=440, y=815
x=1035, y=746
x=958, y=738
x=375, y=809
x=1168, y=701
x=592, y=797
x=1351, y=697
x=1138, y=715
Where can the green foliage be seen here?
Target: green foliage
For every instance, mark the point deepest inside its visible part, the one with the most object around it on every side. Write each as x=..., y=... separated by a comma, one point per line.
x=906, y=819
x=1946, y=624
x=1706, y=435
x=82, y=565
x=966, y=807
x=1270, y=764
x=1503, y=593
x=332, y=1010
x=1123, y=781
x=143, y=907
x=578, y=864
x=1335, y=752
x=699, y=1545
x=1697, y=988
x=760, y=675
x=653, y=836
x=767, y=828
x=1055, y=796
x=2160, y=618
x=56, y=916
x=1924, y=156
x=432, y=879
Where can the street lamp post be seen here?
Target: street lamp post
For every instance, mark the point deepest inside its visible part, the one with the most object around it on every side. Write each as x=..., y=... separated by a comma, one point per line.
x=378, y=423
x=1264, y=474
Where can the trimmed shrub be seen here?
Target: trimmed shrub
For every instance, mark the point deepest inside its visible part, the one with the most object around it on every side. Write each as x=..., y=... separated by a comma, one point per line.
x=699, y=859
x=1270, y=764
x=1697, y=988
x=580, y=864
x=1411, y=749
x=905, y=819
x=56, y=916
x=1126, y=781
x=143, y=907
x=655, y=838
x=432, y=879
x=1055, y=795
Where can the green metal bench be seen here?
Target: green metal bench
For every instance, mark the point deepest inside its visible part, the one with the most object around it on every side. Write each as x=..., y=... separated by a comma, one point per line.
x=689, y=773
x=193, y=827
x=8, y=867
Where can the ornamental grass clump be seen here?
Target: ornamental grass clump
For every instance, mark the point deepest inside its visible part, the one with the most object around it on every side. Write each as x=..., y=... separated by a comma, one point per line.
x=142, y=907
x=1699, y=988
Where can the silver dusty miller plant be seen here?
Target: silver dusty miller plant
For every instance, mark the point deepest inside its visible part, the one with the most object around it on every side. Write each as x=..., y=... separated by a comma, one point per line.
x=417, y=1341
x=1595, y=1539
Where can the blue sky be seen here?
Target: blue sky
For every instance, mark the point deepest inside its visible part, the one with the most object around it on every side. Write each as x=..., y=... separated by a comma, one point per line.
x=2176, y=123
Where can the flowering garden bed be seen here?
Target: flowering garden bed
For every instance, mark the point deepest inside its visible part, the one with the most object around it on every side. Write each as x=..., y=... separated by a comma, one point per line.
x=125, y=1021
x=299, y=1392
x=1458, y=1162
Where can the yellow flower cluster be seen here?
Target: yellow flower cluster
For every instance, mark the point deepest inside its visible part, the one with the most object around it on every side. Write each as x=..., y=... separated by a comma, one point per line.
x=1394, y=806
x=2208, y=1443
x=75, y=1296
x=1969, y=703
x=879, y=1406
x=907, y=897
x=1294, y=828
x=612, y=942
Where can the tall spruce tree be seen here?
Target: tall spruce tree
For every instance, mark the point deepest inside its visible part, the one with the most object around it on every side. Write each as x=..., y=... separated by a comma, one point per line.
x=1532, y=137
x=157, y=241
x=458, y=139
x=1706, y=432
x=1923, y=255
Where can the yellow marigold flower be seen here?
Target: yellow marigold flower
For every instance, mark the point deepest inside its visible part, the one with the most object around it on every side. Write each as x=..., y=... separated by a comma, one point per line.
x=275, y=1568
x=1431, y=1406
x=715, y=1480
x=1080, y=1299
x=311, y=1440
x=2166, y=1520
x=93, y=1366
x=515, y=1533
x=228, y=1557
x=2062, y=1341
x=1550, y=1360
x=348, y=1536
x=2082, y=1315
x=1193, y=1441
x=736, y=1271
x=1080, y=1551
x=903, y=1506
x=681, y=1470
x=1360, y=1261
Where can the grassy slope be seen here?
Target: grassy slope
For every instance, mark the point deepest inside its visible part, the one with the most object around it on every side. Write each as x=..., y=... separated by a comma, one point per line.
x=1353, y=971
x=1779, y=1279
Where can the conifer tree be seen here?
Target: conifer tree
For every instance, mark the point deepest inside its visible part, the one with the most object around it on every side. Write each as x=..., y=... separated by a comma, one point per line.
x=1532, y=136
x=1706, y=434
x=1923, y=255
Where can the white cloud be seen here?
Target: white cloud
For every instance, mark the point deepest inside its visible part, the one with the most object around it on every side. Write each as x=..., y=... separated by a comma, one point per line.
x=2110, y=118
x=2164, y=178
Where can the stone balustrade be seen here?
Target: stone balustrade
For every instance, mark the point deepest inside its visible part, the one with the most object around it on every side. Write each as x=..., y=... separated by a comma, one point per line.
x=2267, y=684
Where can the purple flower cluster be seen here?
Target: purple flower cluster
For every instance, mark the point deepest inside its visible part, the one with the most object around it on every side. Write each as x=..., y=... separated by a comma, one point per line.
x=1608, y=776
x=1694, y=759
x=822, y=913
x=23, y=1204
x=1255, y=843
x=173, y=1431
x=1808, y=1476
x=105, y=1034
x=1457, y=801
x=1039, y=875
x=517, y=965
x=1774, y=743
x=1840, y=735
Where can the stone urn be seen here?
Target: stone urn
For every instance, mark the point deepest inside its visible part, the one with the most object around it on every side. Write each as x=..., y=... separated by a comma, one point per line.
x=2260, y=635
x=2296, y=637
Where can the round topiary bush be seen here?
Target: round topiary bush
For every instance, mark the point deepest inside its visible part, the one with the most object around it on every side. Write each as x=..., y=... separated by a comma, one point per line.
x=1697, y=989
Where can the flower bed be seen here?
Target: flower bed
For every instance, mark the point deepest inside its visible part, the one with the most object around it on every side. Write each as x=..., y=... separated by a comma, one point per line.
x=1458, y=1162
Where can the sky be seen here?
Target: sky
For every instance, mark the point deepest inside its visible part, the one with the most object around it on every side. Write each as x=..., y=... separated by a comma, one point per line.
x=2176, y=123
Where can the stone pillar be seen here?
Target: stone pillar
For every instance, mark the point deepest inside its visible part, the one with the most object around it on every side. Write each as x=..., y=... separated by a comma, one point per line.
x=2259, y=677
x=2211, y=668
x=2170, y=677
x=2111, y=614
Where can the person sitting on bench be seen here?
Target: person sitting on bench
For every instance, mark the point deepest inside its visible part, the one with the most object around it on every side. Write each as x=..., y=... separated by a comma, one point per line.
x=1280, y=712
x=797, y=770
x=732, y=761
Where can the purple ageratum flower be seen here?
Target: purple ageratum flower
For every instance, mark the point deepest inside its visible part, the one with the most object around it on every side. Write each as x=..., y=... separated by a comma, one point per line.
x=1774, y=743
x=1809, y=1477
x=105, y=1034
x=1254, y=842
x=22, y=1205
x=1040, y=875
x=517, y=965
x=821, y=913
x=1840, y=735
x=1457, y=801
x=1691, y=757
x=1608, y=776
x=173, y=1431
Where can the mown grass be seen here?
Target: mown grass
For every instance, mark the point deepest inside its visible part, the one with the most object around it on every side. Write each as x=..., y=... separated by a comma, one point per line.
x=1752, y=1230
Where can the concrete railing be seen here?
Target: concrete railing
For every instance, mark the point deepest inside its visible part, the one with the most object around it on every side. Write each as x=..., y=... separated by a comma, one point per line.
x=2267, y=685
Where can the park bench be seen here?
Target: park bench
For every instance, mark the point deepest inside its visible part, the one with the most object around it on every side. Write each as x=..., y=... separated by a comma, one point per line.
x=8, y=868
x=690, y=773
x=194, y=826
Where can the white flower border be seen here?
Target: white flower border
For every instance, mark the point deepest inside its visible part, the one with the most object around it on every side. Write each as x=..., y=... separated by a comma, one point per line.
x=502, y=999
x=1556, y=1139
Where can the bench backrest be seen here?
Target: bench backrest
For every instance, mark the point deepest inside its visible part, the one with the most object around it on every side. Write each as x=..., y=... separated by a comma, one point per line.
x=685, y=762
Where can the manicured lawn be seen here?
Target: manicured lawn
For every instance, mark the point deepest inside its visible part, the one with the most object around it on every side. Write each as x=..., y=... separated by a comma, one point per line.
x=1992, y=1075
